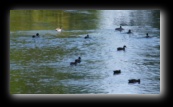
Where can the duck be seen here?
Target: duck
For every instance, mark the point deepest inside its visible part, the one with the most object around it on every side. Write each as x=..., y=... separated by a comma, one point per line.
x=117, y=72
x=33, y=36
x=59, y=29
x=87, y=36
x=78, y=60
x=147, y=36
x=73, y=63
x=129, y=32
x=134, y=81
x=120, y=28
x=37, y=35
x=121, y=48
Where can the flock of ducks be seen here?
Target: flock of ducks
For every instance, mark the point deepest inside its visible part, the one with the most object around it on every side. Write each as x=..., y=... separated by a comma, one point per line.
x=123, y=48
x=79, y=58
x=129, y=31
x=118, y=49
x=37, y=34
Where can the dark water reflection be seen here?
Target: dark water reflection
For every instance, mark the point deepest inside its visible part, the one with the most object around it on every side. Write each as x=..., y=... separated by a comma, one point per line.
x=42, y=65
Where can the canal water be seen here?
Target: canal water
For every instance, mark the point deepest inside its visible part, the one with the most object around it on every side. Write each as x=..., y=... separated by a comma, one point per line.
x=41, y=65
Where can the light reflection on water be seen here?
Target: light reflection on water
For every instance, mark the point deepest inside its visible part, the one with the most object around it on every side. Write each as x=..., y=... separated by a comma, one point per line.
x=45, y=66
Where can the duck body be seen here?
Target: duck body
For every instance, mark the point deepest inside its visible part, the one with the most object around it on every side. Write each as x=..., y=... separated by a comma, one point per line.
x=129, y=32
x=116, y=72
x=58, y=29
x=73, y=63
x=78, y=60
x=134, y=81
x=121, y=48
x=147, y=36
x=87, y=36
x=119, y=29
x=37, y=34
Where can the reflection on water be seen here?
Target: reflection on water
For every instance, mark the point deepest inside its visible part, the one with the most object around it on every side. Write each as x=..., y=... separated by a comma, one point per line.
x=42, y=65
x=51, y=19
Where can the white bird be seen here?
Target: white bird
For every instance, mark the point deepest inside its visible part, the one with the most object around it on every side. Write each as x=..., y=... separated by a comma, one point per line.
x=59, y=29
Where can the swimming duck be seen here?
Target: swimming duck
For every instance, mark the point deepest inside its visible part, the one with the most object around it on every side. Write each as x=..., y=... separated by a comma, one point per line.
x=78, y=60
x=87, y=36
x=120, y=28
x=134, y=81
x=59, y=29
x=73, y=63
x=121, y=48
x=129, y=31
x=37, y=35
x=117, y=72
x=147, y=36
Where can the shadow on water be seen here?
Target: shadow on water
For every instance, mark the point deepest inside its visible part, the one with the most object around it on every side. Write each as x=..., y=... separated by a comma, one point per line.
x=42, y=65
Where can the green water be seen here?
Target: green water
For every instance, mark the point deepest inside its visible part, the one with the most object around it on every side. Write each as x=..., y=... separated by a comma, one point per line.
x=25, y=79
x=51, y=19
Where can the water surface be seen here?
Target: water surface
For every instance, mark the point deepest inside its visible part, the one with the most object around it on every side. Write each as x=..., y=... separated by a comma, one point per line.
x=42, y=65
